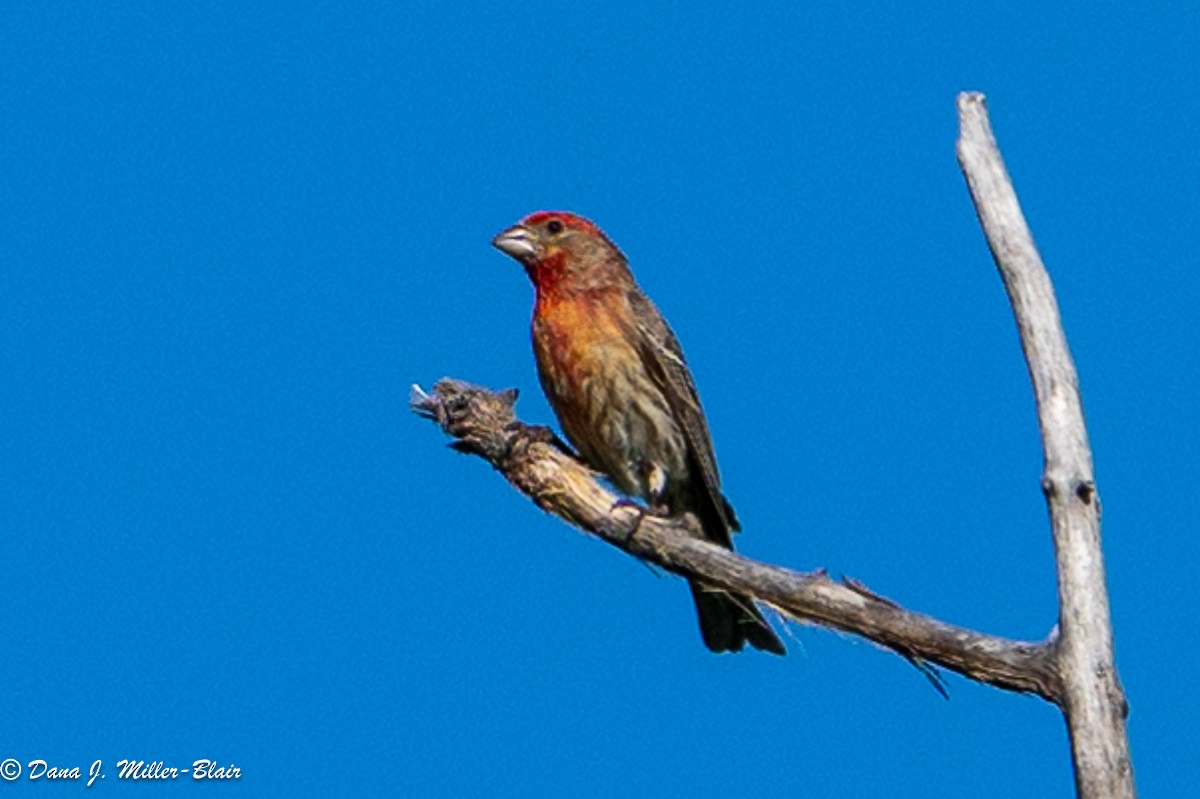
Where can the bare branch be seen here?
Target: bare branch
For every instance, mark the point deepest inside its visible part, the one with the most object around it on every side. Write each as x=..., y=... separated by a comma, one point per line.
x=483, y=423
x=1093, y=701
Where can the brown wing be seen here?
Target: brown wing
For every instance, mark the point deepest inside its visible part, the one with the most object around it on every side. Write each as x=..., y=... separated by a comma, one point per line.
x=663, y=357
x=727, y=621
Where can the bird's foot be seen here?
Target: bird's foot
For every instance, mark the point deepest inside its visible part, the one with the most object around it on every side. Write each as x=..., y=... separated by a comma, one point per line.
x=627, y=535
x=642, y=512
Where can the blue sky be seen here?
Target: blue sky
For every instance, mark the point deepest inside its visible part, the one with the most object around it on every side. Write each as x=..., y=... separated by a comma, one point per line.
x=233, y=236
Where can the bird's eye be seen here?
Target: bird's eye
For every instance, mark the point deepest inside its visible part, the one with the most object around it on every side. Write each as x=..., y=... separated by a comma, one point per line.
x=554, y=226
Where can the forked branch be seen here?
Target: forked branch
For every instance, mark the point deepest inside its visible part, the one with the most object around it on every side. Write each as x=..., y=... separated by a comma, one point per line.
x=1093, y=702
x=1075, y=669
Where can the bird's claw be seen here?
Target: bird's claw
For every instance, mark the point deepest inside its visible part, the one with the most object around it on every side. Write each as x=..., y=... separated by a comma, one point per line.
x=642, y=512
x=629, y=531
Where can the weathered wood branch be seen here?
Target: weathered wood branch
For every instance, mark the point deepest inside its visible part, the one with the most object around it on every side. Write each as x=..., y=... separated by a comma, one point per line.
x=483, y=423
x=1092, y=700
x=1074, y=669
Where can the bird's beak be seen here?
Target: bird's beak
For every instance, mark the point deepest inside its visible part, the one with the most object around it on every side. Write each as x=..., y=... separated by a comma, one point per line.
x=517, y=241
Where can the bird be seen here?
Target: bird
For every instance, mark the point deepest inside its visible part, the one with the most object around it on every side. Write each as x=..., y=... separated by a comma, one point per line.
x=615, y=376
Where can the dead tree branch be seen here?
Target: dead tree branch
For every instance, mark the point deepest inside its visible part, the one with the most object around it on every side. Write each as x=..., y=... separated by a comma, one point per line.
x=1074, y=669
x=1092, y=701
x=483, y=423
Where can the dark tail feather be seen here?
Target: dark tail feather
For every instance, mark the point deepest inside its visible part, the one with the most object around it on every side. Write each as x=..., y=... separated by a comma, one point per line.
x=729, y=621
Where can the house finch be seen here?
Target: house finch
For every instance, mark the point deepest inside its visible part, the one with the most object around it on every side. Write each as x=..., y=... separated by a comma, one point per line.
x=616, y=378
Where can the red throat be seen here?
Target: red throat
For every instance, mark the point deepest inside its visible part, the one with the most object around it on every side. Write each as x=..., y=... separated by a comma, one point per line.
x=547, y=274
